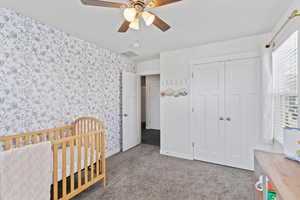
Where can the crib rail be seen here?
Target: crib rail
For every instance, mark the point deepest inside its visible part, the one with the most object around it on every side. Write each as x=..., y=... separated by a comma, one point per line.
x=89, y=147
x=86, y=124
x=16, y=141
x=81, y=146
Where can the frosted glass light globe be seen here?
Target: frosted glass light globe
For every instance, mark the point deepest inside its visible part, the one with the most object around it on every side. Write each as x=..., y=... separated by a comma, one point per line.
x=148, y=18
x=135, y=24
x=130, y=14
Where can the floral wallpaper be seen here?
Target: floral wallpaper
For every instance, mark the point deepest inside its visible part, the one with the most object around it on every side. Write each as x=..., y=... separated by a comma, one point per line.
x=49, y=78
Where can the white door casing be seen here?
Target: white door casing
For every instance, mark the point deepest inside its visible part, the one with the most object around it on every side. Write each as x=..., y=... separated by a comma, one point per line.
x=131, y=136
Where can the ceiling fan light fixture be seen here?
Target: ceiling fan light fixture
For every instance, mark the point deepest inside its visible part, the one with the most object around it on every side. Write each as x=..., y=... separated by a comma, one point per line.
x=148, y=18
x=134, y=9
x=135, y=24
x=130, y=14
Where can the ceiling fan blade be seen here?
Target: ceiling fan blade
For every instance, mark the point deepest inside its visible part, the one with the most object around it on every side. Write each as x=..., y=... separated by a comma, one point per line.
x=159, y=23
x=124, y=27
x=158, y=3
x=104, y=4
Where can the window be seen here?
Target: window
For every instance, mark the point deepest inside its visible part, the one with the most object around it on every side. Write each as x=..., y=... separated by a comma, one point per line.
x=285, y=85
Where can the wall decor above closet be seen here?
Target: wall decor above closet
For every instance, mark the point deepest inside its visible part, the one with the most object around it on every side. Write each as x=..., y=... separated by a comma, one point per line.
x=175, y=88
x=174, y=93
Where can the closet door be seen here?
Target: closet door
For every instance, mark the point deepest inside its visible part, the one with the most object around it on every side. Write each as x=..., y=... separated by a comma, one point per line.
x=242, y=111
x=208, y=112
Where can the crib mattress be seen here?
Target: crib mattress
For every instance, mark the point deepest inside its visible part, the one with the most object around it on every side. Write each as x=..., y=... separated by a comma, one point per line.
x=68, y=160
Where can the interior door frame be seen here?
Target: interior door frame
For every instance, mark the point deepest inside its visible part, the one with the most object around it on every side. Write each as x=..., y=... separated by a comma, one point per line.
x=139, y=110
x=194, y=64
x=149, y=113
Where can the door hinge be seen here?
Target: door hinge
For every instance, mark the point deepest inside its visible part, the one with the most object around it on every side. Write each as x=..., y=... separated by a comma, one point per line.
x=192, y=74
x=193, y=109
x=193, y=144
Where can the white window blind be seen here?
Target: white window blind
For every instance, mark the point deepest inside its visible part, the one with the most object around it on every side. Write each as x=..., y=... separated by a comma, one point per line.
x=285, y=82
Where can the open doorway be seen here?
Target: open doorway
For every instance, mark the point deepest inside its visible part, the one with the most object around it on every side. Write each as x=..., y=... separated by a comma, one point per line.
x=150, y=109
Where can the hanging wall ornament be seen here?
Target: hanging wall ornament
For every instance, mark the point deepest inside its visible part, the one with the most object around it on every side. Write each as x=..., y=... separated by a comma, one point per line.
x=174, y=93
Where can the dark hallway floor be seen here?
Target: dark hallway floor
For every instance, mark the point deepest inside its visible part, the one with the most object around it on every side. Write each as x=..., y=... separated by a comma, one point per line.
x=150, y=136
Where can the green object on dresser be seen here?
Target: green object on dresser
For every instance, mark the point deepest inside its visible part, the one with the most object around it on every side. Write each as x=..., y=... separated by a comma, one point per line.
x=298, y=152
x=272, y=195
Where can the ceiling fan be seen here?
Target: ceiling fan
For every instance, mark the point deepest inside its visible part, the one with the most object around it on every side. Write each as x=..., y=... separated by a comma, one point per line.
x=134, y=10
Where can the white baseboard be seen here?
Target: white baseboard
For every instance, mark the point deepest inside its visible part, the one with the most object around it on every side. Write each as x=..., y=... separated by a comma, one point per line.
x=113, y=152
x=177, y=155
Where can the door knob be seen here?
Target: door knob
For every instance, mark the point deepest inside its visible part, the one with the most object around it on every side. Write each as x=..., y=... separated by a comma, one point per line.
x=125, y=115
x=221, y=118
x=228, y=119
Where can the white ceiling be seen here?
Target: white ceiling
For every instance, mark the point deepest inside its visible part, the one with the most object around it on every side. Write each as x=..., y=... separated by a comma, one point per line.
x=193, y=22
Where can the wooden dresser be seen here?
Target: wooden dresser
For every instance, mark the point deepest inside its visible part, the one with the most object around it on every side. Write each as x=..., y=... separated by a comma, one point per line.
x=283, y=173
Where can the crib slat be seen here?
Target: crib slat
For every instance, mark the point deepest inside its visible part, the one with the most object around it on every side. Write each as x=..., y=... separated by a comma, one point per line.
x=86, y=159
x=55, y=161
x=97, y=153
x=17, y=142
x=50, y=136
x=6, y=145
x=92, y=156
x=64, y=166
x=79, y=161
x=69, y=131
x=72, y=165
x=90, y=125
x=34, y=140
x=86, y=126
x=103, y=156
x=74, y=130
x=42, y=139
x=83, y=126
x=26, y=140
x=61, y=132
x=100, y=148
x=80, y=127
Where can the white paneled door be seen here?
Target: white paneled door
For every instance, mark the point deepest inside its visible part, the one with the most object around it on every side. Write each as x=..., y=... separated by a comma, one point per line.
x=131, y=136
x=242, y=115
x=208, y=112
x=225, y=117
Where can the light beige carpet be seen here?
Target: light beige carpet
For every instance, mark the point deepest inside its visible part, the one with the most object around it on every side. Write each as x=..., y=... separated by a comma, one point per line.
x=143, y=174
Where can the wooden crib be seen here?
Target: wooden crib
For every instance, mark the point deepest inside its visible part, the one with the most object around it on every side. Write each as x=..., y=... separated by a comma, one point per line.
x=78, y=154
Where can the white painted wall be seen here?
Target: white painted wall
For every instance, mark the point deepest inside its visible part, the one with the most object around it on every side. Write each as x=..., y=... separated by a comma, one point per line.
x=153, y=102
x=149, y=67
x=175, y=69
